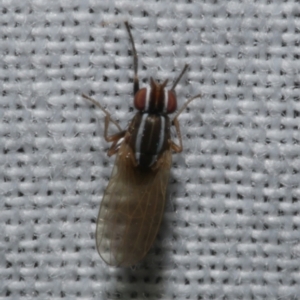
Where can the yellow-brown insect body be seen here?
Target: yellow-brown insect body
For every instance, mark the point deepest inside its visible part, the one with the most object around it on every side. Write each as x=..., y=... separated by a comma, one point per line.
x=133, y=203
x=131, y=209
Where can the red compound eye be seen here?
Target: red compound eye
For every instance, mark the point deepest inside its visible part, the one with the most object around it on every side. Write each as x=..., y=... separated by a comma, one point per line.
x=171, y=102
x=140, y=99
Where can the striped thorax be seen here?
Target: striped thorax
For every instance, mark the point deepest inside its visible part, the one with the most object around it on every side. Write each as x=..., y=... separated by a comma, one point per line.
x=149, y=131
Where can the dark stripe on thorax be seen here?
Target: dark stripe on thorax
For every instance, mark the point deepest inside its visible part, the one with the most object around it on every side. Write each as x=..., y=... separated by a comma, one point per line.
x=149, y=137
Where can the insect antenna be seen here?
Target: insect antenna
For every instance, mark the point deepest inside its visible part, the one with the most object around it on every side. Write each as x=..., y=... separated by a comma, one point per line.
x=135, y=61
x=179, y=77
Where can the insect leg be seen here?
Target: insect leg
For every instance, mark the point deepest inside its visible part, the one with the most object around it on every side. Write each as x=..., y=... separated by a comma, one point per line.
x=113, y=138
x=184, y=106
x=136, y=85
x=178, y=148
x=107, y=114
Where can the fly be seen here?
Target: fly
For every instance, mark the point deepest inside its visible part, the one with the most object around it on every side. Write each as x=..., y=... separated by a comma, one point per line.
x=133, y=203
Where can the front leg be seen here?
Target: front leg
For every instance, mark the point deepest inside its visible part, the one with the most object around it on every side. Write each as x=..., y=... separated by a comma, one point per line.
x=176, y=148
x=115, y=138
x=108, y=117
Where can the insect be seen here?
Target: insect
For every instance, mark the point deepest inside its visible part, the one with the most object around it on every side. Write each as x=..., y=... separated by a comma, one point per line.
x=133, y=203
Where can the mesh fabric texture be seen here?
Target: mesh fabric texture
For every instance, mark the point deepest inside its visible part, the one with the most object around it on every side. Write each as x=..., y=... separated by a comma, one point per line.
x=231, y=226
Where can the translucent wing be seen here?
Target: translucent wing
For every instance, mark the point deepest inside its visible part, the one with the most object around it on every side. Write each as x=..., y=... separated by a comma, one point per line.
x=131, y=209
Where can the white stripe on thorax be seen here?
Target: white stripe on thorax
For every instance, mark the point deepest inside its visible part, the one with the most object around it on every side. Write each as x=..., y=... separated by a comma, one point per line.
x=139, y=137
x=166, y=100
x=147, y=101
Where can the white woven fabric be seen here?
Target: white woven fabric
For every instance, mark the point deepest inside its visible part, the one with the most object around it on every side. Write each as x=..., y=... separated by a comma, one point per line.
x=231, y=226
